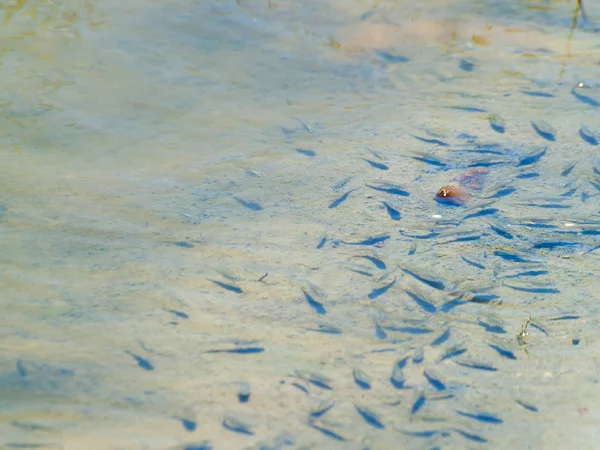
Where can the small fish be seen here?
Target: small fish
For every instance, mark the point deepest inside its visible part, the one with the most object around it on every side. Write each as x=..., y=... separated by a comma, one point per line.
x=452, y=352
x=183, y=244
x=566, y=318
x=441, y=338
x=545, y=130
x=241, y=350
x=434, y=379
x=473, y=262
x=429, y=159
x=391, y=58
x=568, y=170
x=475, y=365
x=527, y=406
x=21, y=371
x=237, y=426
x=379, y=263
x=419, y=356
x=420, y=236
x=397, y=378
x=392, y=212
x=340, y=184
x=533, y=289
x=481, y=417
x=321, y=381
x=550, y=245
x=142, y=362
x=431, y=141
x=361, y=379
x=380, y=332
x=308, y=153
x=473, y=237
x=528, y=175
x=370, y=416
x=179, y=314
x=480, y=213
x=413, y=248
x=252, y=172
x=322, y=242
x=418, y=403
x=419, y=299
x=375, y=165
x=585, y=98
x=381, y=290
x=369, y=241
x=467, y=108
x=254, y=206
x=244, y=392
x=503, y=351
x=488, y=162
x=512, y=256
x=320, y=408
x=470, y=436
x=189, y=425
x=327, y=429
x=227, y=286
x=589, y=135
x=531, y=158
x=466, y=65
x=314, y=304
x=500, y=230
x=425, y=277
x=538, y=94
x=389, y=188
x=492, y=328
x=341, y=199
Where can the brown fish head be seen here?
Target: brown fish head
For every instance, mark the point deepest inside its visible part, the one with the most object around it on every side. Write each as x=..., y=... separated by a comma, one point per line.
x=452, y=194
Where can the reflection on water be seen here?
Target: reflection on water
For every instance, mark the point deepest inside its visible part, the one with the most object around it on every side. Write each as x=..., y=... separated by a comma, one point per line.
x=220, y=227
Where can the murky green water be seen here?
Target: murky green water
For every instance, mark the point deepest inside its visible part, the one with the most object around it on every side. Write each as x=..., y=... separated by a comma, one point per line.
x=219, y=227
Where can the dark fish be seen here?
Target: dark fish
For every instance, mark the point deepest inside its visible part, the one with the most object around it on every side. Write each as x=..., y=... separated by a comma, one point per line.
x=434, y=379
x=421, y=302
x=420, y=236
x=413, y=248
x=327, y=430
x=503, y=351
x=534, y=290
x=568, y=170
x=321, y=243
x=321, y=381
x=142, y=362
x=389, y=188
x=179, y=314
x=425, y=434
x=566, y=318
x=450, y=305
x=426, y=278
x=393, y=213
x=369, y=241
x=381, y=290
x=409, y=330
x=527, y=273
x=481, y=417
x=472, y=237
x=419, y=356
x=485, y=149
x=431, y=141
x=341, y=199
x=488, y=162
x=342, y=183
x=475, y=365
x=470, y=436
x=569, y=193
x=549, y=205
x=452, y=352
x=473, y=262
x=528, y=175
x=497, y=124
x=308, y=153
x=391, y=58
x=532, y=158
x=183, y=244
x=418, y=403
x=441, y=338
x=204, y=445
x=544, y=129
x=501, y=231
x=397, y=378
x=237, y=426
x=380, y=264
x=429, y=159
x=466, y=65
x=538, y=94
x=361, y=379
x=320, y=408
x=380, y=332
x=511, y=256
x=300, y=387
x=554, y=244
x=467, y=108
x=375, y=165
x=480, y=213
x=327, y=329
x=589, y=135
x=314, y=304
x=370, y=416
x=492, y=328
x=528, y=406
x=254, y=206
x=227, y=286
x=244, y=350
x=584, y=98
x=244, y=392
x=189, y=425
x=21, y=371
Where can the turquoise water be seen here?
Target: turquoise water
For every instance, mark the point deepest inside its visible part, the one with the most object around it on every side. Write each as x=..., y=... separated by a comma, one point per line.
x=219, y=227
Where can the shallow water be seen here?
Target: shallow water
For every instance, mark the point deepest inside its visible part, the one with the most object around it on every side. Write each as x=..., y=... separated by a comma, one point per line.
x=176, y=227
